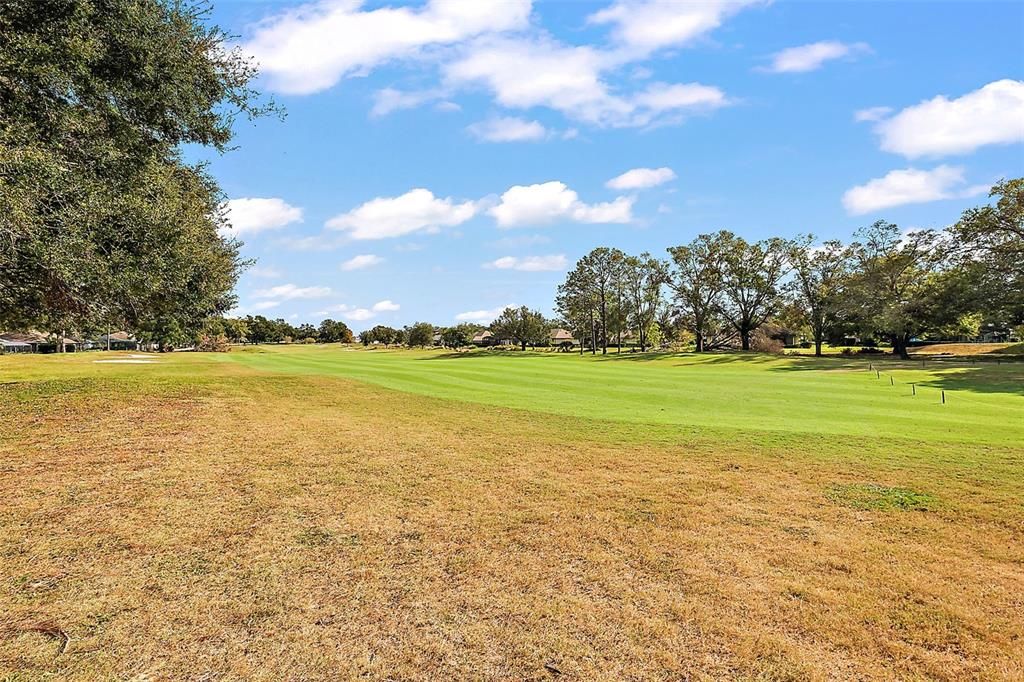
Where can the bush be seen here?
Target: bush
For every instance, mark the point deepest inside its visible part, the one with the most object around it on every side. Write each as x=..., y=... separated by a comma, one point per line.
x=309, y=339
x=870, y=351
x=213, y=343
x=847, y=351
x=760, y=342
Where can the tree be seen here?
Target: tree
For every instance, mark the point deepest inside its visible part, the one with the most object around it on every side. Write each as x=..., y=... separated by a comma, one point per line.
x=576, y=303
x=590, y=292
x=236, y=329
x=419, y=334
x=751, y=274
x=332, y=331
x=820, y=277
x=101, y=222
x=903, y=286
x=458, y=336
x=305, y=331
x=644, y=277
x=522, y=325
x=990, y=246
x=697, y=282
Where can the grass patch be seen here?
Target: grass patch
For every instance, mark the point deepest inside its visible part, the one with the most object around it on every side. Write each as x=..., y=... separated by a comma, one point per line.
x=871, y=496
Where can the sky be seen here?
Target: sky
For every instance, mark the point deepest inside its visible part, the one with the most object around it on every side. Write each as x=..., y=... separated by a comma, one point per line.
x=441, y=160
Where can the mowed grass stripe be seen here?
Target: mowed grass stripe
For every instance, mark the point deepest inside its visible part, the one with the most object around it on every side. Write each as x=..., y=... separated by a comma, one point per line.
x=754, y=393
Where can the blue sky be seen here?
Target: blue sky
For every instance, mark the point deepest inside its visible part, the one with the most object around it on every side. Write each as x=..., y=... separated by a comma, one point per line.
x=441, y=160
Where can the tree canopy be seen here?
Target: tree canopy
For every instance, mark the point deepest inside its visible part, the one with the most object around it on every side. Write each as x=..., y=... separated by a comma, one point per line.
x=101, y=221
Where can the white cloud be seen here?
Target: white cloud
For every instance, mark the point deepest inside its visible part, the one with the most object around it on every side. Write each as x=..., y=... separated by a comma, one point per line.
x=549, y=201
x=641, y=178
x=871, y=114
x=529, y=263
x=993, y=114
x=385, y=306
x=254, y=215
x=530, y=72
x=362, y=261
x=416, y=210
x=908, y=186
x=287, y=292
x=644, y=26
x=508, y=129
x=482, y=316
x=264, y=305
x=813, y=56
x=387, y=100
x=358, y=314
x=313, y=46
x=265, y=272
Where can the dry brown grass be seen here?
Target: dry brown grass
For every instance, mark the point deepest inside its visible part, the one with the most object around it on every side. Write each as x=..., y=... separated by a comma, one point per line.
x=269, y=527
x=967, y=349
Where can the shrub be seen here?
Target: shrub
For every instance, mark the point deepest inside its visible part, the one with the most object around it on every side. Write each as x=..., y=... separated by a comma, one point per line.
x=847, y=351
x=309, y=339
x=760, y=342
x=870, y=351
x=213, y=343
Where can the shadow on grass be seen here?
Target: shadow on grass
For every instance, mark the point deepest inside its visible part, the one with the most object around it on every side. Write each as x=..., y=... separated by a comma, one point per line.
x=974, y=375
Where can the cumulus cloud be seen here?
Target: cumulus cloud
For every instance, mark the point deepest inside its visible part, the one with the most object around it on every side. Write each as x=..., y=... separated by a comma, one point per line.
x=362, y=261
x=550, y=201
x=312, y=47
x=993, y=114
x=264, y=305
x=641, y=178
x=385, y=306
x=523, y=73
x=644, y=26
x=909, y=186
x=287, y=292
x=529, y=263
x=252, y=215
x=415, y=211
x=813, y=56
x=508, y=129
x=482, y=316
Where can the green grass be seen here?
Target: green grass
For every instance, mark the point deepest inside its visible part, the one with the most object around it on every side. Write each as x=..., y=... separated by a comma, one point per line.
x=984, y=404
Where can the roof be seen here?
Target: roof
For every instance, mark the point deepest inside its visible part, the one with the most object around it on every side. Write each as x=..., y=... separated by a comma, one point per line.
x=561, y=335
x=14, y=344
x=33, y=337
x=118, y=336
x=482, y=335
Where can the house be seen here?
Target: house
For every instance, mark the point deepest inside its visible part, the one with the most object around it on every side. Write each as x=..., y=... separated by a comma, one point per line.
x=8, y=345
x=37, y=343
x=561, y=338
x=117, y=341
x=484, y=338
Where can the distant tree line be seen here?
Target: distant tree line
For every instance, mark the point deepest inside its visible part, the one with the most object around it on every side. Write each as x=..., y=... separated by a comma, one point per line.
x=721, y=289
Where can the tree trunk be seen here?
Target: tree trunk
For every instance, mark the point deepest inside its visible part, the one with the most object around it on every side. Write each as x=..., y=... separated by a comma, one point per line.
x=700, y=342
x=523, y=344
x=899, y=346
x=745, y=339
x=817, y=346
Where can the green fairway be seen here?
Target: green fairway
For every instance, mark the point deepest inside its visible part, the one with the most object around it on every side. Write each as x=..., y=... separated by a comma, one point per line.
x=985, y=403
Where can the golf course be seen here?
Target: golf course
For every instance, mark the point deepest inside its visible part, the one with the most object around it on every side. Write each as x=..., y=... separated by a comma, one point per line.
x=313, y=511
